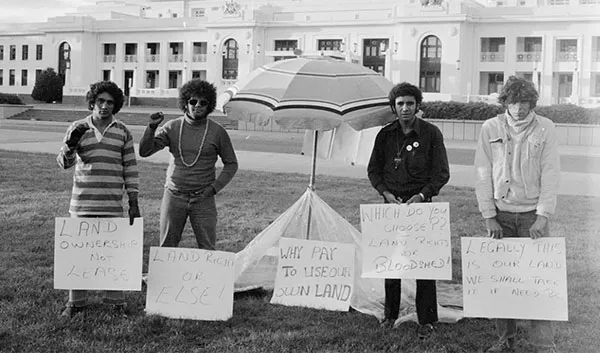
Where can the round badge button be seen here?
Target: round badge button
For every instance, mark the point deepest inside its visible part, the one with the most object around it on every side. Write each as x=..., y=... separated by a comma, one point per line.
x=409, y=148
x=416, y=144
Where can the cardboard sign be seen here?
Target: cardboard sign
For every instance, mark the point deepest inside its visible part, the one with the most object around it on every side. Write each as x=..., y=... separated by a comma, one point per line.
x=406, y=241
x=190, y=283
x=516, y=278
x=314, y=274
x=98, y=253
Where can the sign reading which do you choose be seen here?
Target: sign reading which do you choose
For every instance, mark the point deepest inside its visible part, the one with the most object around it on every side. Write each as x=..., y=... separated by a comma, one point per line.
x=98, y=253
x=314, y=274
x=516, y=278
x=406, y=241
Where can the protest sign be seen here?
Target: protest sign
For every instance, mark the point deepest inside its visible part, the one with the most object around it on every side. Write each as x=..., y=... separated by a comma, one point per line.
x=406, y=241
x=98, y=253
x=314, y=274
x=518, y=278
x=190, y=283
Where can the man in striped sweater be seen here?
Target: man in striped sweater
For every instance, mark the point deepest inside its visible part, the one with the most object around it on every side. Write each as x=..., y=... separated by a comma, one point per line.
x=101, y=149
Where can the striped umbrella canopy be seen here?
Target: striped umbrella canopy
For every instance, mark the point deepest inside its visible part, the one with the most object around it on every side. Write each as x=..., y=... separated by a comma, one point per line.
x=313, y=94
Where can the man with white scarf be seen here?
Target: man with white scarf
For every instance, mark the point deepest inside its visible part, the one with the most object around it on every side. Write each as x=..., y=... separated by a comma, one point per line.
x=517, y=164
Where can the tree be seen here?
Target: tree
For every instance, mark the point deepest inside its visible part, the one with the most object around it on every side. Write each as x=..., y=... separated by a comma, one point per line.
x=48, y=87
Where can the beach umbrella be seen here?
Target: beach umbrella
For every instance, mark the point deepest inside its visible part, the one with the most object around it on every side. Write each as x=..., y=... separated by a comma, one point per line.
x=313, y=94
x=310, y=93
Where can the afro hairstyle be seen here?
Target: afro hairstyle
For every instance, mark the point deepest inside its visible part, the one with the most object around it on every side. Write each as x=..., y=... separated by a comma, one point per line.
x=199, y=88
x=109, y=87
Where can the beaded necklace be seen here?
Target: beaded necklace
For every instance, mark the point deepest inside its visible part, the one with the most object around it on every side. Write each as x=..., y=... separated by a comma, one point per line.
x=199, y=149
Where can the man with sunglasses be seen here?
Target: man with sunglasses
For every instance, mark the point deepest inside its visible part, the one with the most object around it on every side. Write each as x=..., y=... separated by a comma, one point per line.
x=101, y=149
x=195, y=143
x=409, y=165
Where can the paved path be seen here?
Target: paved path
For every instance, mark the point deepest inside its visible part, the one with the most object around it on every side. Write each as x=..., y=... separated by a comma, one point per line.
x=586, y=184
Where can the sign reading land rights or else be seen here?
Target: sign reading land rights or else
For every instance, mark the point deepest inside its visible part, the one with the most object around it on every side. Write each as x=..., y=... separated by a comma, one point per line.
x=190, y=283
x=517, y=278
x=98, y=253
x=314, y=274
x=406, y=241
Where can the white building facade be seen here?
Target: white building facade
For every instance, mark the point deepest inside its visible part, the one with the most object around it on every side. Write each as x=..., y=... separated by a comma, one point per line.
x=452, y=49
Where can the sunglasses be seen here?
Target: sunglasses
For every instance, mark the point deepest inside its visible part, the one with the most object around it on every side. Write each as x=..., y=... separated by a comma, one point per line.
x=203, y=102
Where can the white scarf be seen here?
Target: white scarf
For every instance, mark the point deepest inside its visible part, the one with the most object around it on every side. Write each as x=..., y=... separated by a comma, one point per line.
x=519, y=125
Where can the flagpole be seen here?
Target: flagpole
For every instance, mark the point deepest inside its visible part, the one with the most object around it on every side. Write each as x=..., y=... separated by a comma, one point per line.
x=311, y=184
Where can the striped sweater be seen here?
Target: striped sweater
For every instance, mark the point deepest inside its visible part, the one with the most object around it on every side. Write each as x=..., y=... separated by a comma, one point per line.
x=105, y=165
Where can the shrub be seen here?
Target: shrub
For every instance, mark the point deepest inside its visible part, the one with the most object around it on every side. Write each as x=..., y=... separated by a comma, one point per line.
x=48, y=87
x=559, y=113
x=6, y=98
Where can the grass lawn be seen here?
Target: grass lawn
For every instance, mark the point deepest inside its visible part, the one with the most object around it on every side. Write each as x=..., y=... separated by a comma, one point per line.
x=34, y=190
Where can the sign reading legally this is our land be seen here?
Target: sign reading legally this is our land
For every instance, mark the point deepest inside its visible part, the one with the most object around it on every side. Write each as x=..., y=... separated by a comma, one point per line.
x=314, y=274
x=517, y=278
x=98, y=253
x=190, y=283
x=406, y=241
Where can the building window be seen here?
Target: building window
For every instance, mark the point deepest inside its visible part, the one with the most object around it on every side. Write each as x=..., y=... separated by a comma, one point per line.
x=152, y=79
x=110, y=50
x=1, y=52
x=201, y=74
x=199, y=52
x=567, y=50
x=38, y=72
x=374, y=54
x=174, y=79
x=11, y=77
x=13, y=52
x=1, y=77
x=288, y=45
x=431, y=64
x=64, y=60
x=25, y=52
x=558, y=2
x=199, y=12
x=130, y=52
x=152, y=52
x=39, y=51
x=329, y=44
x=23, y=77
x=491, y=82
x=595, y=90
x=106, y=75
x=176, y=52
x=230, y=60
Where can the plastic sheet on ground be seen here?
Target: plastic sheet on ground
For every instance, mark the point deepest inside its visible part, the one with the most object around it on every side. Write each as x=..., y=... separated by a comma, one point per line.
x=256, y=264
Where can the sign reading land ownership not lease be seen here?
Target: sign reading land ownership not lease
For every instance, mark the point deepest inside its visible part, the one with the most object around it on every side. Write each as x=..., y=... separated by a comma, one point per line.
x=406, y=241
x=314, y=274
x=98, y=253
x=190, y=283
x=516, y=278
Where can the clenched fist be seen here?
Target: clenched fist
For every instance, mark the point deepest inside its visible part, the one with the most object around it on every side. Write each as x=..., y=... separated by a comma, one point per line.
x=76, y=134
x=156, y=119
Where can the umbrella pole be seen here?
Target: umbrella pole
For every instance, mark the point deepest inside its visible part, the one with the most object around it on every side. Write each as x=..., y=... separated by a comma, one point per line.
x=313, y=167
x=311, y=184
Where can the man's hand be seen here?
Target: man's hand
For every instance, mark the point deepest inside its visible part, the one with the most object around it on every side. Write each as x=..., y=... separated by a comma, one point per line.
x=538, y=227
x=208, y=192
x=493, y=228
x=418, y=198
x=389, y=197
x=134, y=211
x=156, y=119
x=76, y=135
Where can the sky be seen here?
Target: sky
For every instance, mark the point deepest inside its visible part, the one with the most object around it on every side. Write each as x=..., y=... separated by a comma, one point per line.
x=12, y=11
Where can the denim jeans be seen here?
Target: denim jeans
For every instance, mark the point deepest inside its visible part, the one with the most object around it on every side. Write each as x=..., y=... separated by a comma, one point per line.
x=78, y=298
x=175, y=209
x=426, y=295
x=516, y=225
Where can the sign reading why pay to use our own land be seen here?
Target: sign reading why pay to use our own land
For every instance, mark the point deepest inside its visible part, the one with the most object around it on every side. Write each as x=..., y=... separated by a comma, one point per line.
x=314, y=274
x=518, y=278
x=406, y=241
x=190, y=283
x=98, y=253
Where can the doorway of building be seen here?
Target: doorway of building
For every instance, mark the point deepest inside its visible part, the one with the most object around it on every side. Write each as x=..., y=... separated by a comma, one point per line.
x=127, y=81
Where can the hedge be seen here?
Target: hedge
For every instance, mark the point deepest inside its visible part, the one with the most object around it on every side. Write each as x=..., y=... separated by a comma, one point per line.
x=7, y=98
x=559, y=113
